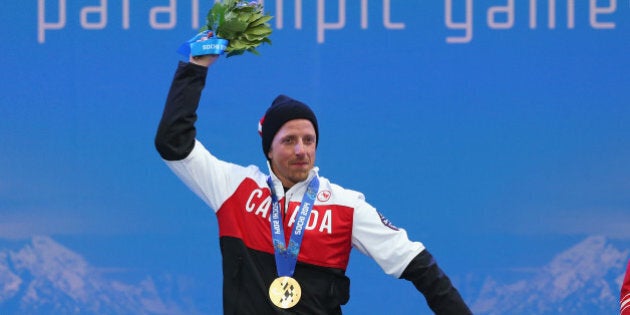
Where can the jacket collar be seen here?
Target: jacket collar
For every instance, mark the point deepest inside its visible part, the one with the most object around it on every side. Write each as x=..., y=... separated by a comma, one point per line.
x=298, y=187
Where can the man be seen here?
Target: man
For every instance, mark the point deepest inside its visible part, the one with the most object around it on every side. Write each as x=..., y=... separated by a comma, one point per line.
x=624, y=301
x=286, y=237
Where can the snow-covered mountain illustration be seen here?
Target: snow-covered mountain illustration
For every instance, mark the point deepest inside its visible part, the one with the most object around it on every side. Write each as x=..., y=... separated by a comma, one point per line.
x=585, y=279
x=45, y=277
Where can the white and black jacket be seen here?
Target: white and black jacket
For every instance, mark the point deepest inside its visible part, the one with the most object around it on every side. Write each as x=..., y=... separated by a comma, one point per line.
x=340, y=220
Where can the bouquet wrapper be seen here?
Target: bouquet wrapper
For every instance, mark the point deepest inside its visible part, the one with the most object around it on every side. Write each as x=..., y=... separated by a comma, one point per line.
x=211, y=46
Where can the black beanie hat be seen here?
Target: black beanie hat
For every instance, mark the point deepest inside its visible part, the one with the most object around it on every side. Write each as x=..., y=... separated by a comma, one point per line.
x=282, y=110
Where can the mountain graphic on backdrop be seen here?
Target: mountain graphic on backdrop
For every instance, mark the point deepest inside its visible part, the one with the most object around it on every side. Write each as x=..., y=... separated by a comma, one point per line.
x=585, y=279
x=45, y=277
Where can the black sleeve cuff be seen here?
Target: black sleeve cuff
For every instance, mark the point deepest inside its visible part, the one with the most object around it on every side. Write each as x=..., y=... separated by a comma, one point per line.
x=430, y=280
x=175, y=137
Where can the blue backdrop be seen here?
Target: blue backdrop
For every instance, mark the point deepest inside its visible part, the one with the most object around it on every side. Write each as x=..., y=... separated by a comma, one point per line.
x=495, y=132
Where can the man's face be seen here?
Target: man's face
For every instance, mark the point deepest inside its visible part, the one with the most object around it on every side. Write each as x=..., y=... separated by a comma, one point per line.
x=292, y=151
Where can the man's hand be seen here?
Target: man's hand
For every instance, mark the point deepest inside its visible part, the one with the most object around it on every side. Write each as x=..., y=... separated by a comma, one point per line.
x=205, y=60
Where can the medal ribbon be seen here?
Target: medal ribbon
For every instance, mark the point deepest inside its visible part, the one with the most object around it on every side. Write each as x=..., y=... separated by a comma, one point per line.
x=286, y=256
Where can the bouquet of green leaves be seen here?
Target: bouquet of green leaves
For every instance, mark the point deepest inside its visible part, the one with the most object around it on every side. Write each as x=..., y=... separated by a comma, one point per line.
x=243, y=23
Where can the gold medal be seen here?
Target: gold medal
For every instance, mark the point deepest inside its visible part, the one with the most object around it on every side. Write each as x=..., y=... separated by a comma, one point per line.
x=285, y=292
